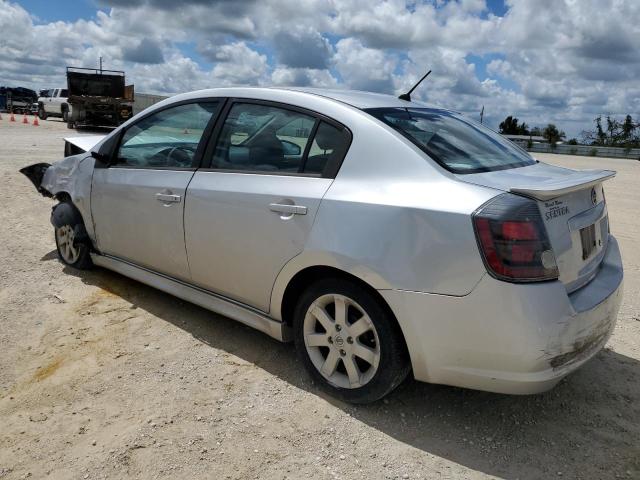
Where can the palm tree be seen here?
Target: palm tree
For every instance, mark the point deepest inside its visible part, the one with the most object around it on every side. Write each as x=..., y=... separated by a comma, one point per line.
x=553, y=135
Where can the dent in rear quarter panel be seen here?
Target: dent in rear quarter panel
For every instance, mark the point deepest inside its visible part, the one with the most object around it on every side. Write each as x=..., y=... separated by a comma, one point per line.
x=73, y=176
x=409, y=235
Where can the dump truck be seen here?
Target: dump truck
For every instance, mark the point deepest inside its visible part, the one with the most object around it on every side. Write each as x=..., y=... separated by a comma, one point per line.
x=98, y=97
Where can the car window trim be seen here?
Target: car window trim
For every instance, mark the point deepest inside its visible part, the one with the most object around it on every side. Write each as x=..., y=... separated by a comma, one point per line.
x=307, y=148
x=200, y=149
x=330, y=170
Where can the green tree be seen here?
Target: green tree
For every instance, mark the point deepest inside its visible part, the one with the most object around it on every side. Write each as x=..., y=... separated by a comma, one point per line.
x=601, y=137
x=553, y=135
x=616, y=134
x=628, y=130
x=510, y=126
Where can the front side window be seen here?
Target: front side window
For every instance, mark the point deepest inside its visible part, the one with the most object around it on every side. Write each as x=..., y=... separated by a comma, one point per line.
x=166, y=139
x=455, y=142
x=263, y=138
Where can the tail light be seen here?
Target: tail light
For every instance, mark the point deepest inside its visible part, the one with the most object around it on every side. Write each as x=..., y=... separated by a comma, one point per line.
x=513, y=240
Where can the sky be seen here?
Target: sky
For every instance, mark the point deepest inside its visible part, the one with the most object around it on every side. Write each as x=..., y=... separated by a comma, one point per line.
x=543, y=61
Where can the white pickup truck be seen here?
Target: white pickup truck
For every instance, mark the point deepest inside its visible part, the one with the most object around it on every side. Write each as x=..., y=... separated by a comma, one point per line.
x=53, y=103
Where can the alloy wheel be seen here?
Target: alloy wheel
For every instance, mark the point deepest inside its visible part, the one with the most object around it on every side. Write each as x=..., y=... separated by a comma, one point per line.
x=341, y=341
x=68, y=250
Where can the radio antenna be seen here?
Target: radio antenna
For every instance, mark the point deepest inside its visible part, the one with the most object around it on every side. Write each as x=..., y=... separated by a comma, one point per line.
x=407, y=96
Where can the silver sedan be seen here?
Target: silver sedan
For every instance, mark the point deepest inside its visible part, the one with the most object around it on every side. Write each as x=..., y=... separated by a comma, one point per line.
x=383, y=236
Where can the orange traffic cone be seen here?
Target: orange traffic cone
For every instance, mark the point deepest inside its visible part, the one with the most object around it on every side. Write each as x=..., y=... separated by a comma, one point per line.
x=12, y=118
x=35, y=121
x=24, y=119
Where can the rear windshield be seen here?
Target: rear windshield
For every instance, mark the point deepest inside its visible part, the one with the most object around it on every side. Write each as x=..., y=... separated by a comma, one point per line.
x=455, y=142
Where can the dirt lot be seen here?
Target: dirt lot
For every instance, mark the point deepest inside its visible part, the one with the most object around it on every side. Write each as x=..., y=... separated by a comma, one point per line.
x=102, y=377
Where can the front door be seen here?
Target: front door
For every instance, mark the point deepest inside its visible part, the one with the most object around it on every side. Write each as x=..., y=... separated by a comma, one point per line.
x=138, y=201
x=252, y=211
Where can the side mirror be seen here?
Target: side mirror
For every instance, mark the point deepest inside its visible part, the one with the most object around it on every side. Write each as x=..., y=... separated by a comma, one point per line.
x=291, y=148
x=100, y=157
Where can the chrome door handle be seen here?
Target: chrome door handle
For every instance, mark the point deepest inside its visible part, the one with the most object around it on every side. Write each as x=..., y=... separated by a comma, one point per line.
x=288, y=209
x=167, y=198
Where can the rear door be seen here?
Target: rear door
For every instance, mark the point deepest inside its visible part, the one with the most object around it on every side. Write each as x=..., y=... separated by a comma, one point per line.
x=252, y=209
x=138, y=201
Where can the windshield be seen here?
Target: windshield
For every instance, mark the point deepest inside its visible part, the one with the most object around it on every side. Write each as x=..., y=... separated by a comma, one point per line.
x=455, y=142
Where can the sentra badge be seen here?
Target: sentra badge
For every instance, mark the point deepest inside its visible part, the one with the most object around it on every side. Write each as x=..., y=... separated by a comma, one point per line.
x=556, y=208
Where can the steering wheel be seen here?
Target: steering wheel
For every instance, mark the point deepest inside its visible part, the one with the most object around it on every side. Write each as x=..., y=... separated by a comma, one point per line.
x=176, y=156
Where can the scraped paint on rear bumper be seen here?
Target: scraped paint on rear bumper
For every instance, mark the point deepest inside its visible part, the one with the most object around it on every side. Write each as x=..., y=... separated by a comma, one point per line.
x=510, y=338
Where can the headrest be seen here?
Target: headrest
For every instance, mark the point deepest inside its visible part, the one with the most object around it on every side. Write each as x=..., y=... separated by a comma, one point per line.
x=325, y=138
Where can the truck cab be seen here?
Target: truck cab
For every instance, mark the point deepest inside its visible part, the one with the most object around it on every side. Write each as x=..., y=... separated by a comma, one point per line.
x=53, y=103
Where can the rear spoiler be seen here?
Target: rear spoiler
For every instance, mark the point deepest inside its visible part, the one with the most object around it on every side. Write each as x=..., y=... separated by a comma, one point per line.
x=556, y=187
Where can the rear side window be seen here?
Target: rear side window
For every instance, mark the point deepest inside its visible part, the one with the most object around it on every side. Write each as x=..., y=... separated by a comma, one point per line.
x=64, y=93
x=276, y=140
x=455, y=142
x=166, y=139
x=263, y=138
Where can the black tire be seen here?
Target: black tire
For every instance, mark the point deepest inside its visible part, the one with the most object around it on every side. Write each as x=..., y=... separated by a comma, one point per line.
x=65, y=114
x=71, y=229
x=393, y=366
x=71, y=125
x=42, y=114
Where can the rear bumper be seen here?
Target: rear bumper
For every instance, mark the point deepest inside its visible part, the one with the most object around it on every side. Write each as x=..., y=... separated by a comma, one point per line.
x=509, y=338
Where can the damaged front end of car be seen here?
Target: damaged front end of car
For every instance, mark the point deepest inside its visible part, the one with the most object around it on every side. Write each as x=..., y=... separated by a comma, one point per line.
x=68, y=180
x=35, y=173
x=64, y=175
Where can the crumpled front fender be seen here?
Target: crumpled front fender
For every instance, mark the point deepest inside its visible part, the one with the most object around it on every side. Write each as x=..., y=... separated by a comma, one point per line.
x=36, y=173
x=70, y=176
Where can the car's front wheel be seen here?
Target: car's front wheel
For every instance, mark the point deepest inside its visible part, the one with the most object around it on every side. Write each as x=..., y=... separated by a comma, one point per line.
x=42, y=114
x=73, y=247
x=349, y=342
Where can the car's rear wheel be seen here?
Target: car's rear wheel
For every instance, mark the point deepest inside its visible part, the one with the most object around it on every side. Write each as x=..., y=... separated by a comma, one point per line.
x=73, y=247
x=65, y=114
x=349, y=342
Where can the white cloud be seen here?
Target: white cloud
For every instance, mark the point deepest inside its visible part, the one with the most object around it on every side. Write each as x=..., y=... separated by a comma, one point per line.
x=551, y=60
x=303, y=77
x=237, y=64
x=364, y=68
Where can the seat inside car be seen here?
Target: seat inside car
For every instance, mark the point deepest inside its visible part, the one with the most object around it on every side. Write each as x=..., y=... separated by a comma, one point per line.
x=325, y=141
x=266, y=151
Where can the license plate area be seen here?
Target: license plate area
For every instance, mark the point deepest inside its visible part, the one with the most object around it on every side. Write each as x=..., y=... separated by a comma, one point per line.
x=589, y=241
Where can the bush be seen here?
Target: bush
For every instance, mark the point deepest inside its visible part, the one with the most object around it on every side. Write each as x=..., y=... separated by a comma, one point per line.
x=593, y=152
x=573, y=151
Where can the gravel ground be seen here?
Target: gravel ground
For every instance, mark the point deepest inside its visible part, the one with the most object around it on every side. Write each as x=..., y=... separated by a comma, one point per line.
x=103, y=377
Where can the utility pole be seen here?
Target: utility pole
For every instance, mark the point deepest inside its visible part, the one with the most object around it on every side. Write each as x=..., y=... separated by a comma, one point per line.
x=482, y=114
x=100, y=64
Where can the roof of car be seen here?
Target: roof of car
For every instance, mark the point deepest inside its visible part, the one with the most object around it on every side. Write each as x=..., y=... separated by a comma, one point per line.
x=355, y=98
x=358, y=98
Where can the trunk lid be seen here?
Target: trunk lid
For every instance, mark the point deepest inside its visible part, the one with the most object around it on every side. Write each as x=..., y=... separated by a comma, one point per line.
x=573, y=209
